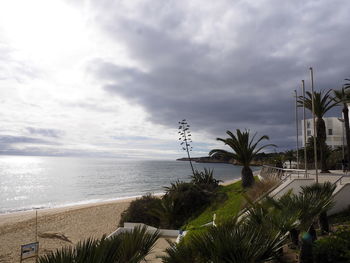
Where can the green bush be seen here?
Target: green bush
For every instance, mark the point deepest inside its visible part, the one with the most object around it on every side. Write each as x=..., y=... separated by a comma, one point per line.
x=341, y=218
x=205, y=180
x=334, y=248
x=140, y=211
x=183, y=200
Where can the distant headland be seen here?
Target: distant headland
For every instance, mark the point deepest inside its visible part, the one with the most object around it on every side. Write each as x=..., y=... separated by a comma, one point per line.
x=208, y=159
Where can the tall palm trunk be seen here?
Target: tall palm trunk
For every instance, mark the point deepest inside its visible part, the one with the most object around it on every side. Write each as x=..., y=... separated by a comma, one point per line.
x=306, y=253
x=347, y=130
x=247, y=176
x=323, y=221
x=322, y=137
x=294, y=236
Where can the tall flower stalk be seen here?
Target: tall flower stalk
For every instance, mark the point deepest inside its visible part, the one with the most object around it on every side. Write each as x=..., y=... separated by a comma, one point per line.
x=185, y=138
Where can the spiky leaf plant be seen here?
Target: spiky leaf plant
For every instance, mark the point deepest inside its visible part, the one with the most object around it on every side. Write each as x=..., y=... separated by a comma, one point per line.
x=128, y=247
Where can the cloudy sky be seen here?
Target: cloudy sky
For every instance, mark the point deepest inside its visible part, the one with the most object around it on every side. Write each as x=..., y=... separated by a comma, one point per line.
x=113, y=78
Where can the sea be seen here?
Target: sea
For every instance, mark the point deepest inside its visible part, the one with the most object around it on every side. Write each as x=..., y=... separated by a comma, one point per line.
x=30, y=182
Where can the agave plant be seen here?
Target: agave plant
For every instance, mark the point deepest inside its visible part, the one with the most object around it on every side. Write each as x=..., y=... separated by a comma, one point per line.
x=186, y=140
x=128, y=247
x=244, y=150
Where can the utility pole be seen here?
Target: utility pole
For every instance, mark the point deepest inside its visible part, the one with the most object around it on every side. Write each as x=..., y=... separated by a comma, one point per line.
x=297, y=126
x=304, y=116
x=314, y=120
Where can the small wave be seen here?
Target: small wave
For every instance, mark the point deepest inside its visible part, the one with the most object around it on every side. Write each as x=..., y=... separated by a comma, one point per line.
x=70, y=204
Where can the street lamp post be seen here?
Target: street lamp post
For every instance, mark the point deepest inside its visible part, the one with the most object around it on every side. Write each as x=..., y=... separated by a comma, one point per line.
x=343, y=150
x=297, y=126
x=304, y=116
x=314, y=121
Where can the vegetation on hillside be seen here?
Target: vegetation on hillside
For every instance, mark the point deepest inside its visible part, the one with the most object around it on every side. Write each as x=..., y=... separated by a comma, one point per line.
x=127, y=247
x=181, y=201
x=259, y=234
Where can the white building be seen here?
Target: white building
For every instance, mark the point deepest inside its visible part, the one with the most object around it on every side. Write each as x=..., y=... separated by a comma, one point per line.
x=334, y=130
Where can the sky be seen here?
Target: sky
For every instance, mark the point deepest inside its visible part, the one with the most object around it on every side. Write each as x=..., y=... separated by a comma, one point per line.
x=113, y=78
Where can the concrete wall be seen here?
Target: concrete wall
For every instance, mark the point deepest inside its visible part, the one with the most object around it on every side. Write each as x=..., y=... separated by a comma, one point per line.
x=163, y=232
x=294, y=185
x=342, y=200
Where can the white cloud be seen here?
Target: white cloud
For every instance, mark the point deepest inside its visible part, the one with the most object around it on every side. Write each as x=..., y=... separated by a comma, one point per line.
x=103, y=73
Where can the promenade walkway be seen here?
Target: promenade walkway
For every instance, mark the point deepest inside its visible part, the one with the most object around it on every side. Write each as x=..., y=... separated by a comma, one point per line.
x=293, y=180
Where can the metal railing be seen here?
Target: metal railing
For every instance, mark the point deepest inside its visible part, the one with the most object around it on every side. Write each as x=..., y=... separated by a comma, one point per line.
x=270, y=172
x=339, y=180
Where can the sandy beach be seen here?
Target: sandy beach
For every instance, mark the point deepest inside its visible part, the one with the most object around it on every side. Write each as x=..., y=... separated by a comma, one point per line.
x=75, y=223
x=59, y=227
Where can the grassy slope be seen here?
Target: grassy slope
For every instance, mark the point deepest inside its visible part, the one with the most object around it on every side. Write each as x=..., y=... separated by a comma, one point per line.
x=223, y=209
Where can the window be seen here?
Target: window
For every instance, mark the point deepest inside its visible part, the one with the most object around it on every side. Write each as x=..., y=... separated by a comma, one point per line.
x=330, y=131
x=308, y=132
x=308, y=125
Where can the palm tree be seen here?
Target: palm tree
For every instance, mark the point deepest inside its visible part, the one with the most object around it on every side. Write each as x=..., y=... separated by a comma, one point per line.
x=347, y=85
x=244, y=150
x=127, y=247
x=289, y=156
x=323, y=102
x=343, y=96
x=234, y=241
x=240, y=241
x=313, y=202
x=322, y=194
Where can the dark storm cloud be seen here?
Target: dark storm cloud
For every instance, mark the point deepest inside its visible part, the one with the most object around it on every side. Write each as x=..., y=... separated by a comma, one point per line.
x=12, y=145
x=244, y=81
x=53, y=133
x=8, y=139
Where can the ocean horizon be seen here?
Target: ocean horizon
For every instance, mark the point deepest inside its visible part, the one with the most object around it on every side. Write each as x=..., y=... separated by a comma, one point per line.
x=36, y=182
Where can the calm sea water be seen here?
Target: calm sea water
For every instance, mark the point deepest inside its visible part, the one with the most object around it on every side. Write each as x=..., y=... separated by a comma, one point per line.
x=40, y=182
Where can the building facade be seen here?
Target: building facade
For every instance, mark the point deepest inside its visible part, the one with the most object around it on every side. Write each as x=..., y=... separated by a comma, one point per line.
x=334, y=130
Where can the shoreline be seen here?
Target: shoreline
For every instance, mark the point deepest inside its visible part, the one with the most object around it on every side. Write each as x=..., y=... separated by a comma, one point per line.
x=87, y=203
x=61, y=226
x=74, y=204
x=58, y=227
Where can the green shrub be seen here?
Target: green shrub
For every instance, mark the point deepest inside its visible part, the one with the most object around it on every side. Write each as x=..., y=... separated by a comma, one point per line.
x=341, y=218
x=334, y=248
x=205, y=180
x=140, y=211
x=181, y=201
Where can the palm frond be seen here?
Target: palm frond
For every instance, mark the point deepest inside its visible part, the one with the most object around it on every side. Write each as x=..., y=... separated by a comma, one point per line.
x=131, y=247
x=323, y=102
x=243, y=146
